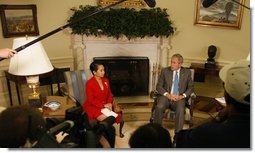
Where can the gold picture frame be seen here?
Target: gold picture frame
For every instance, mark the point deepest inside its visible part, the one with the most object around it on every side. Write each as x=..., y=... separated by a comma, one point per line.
x=222, y=14
x=128, y=3
x=19, y=20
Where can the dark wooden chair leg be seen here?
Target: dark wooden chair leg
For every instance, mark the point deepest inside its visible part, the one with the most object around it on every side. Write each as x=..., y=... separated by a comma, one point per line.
x=152, y=109
x=191, y=111
x=121, y=126
x=191, y=117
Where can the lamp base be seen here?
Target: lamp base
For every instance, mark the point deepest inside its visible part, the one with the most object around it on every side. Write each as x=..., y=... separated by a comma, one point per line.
x=34, y=100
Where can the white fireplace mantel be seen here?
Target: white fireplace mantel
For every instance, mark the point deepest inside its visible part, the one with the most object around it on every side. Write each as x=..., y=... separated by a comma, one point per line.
x=86, y=48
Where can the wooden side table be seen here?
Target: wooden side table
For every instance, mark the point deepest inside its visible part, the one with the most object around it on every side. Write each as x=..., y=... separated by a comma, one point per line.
x=56, y=76
x=66, y=103
x=201, y=71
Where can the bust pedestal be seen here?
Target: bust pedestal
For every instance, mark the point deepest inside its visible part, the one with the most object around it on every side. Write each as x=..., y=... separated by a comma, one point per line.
x=210, y=65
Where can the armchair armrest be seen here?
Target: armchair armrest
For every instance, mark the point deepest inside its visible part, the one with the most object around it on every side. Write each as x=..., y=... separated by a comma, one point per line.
x=153, y=94
x=191, y=99
x=193, y=95
x=116, y=107
x=63, y=90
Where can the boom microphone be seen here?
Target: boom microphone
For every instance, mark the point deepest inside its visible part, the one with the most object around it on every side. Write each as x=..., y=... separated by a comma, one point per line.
x=150, y=3
x=61, y=127
x=208, y=3
x=48, y=139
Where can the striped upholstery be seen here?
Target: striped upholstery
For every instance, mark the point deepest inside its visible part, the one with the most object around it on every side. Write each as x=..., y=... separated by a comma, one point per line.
x=75, y=83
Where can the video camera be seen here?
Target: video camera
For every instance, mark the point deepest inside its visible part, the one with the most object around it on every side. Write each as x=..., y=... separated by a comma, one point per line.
x=81, y=132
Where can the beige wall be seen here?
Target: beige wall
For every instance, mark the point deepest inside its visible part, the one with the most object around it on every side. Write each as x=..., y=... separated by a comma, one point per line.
x=191, y=41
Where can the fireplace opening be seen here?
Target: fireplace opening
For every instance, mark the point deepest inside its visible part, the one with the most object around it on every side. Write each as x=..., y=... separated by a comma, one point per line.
x=128, y=76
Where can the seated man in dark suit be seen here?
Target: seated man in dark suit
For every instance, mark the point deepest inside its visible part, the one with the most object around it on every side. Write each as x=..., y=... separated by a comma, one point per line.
x=230, y=128
x=174, y=87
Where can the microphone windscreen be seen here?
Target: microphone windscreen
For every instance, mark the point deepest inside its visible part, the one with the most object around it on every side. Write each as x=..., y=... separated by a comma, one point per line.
x=150, y=3
x=208, y=3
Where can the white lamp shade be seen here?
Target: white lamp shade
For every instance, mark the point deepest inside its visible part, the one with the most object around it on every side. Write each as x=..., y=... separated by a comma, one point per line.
x=32, y=60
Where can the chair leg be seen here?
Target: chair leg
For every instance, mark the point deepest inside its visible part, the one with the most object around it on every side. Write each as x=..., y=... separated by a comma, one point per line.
x=152, y=110
x=121, y=126
x=191, y=116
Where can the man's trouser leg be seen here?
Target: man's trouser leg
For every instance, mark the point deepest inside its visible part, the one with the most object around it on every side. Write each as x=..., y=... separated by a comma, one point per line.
x=159, y=112
x=179, y=115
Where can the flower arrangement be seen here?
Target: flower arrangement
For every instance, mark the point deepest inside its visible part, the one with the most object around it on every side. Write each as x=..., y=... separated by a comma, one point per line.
x=123, y=21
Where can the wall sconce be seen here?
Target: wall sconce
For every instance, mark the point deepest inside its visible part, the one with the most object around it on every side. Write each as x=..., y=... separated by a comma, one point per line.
x=31, y=62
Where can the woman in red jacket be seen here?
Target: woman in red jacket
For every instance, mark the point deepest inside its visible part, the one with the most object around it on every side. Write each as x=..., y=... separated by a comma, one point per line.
x=98, y=95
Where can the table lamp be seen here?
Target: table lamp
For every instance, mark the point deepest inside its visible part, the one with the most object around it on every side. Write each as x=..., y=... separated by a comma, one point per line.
x=31, y=62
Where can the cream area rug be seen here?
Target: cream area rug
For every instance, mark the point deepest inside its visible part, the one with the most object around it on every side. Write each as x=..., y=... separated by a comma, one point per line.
x=128, y=129
x=136, y=116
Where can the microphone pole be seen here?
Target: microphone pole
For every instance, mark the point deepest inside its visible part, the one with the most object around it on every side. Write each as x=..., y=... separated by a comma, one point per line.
x=65, y=26
x=241, y=4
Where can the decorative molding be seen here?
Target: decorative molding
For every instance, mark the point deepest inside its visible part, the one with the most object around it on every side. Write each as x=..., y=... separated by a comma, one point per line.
x=189, y=60
x=123, y=39
x=63, y=62
x=57, y=62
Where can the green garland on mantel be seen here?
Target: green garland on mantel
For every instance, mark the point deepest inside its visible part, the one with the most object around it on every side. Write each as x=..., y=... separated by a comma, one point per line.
x=124, y=21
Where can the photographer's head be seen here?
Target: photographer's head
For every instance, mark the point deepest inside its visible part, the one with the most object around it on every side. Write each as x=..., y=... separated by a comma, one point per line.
x=150, y=136
x=18, y=125
x=236, y=78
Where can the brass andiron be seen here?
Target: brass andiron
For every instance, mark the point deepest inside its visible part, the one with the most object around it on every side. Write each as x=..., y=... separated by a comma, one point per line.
x=155, y=69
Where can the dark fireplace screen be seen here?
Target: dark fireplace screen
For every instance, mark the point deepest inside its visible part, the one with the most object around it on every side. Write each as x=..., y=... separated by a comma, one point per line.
x=128, y=76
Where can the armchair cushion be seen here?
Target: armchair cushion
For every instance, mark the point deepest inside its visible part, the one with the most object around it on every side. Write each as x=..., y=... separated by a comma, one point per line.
x=75, y=84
